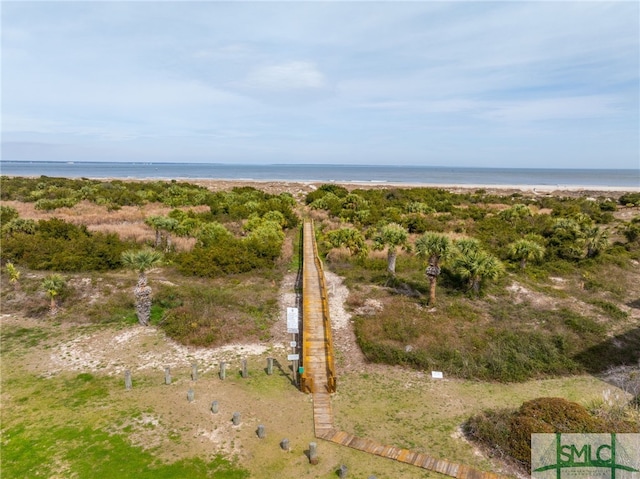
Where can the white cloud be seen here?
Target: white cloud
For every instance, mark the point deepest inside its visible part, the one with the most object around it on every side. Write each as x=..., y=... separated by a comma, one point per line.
x=61, y=95
x=584, y=107
x=297, y=75
x=234, y=51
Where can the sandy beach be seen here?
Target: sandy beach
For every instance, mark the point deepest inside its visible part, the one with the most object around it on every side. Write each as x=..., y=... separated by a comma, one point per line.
x=304, y=187
x=299, y=188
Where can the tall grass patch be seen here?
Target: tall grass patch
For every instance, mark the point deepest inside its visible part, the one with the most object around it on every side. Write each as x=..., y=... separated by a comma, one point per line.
x=504, y=342
x=209, y=314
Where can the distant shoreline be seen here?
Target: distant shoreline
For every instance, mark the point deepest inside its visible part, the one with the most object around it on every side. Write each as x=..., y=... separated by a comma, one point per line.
x=279, y=186
x=400, y=176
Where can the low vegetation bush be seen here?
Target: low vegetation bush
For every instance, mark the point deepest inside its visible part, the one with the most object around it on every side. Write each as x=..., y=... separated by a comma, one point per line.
x=630, y=199
x=7, y=214
x=507, y=433
x=60, y=246
x=243, y=202
x=226, y=256
x=51, y=193
x=49, y=205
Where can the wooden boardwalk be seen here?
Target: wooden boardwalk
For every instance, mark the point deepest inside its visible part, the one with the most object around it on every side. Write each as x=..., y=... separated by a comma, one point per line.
x=319, y=378
x=317, y=347
x=407, y=456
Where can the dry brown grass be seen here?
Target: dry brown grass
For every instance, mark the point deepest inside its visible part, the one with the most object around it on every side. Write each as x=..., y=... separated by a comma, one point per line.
x=91, y=214
x=138, y=232
x=127, y=222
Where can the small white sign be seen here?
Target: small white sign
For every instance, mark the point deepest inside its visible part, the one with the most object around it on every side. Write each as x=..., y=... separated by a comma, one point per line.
x=293, y=344
x=293, y=357
x=292, y=320
x=437, y=374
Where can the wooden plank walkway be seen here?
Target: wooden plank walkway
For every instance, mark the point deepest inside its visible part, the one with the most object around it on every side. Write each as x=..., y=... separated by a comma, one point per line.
x=317, y=354
x=407, y=456
x=314, y=341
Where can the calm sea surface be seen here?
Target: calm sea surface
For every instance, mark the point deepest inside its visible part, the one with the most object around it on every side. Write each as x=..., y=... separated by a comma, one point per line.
x=328, y=173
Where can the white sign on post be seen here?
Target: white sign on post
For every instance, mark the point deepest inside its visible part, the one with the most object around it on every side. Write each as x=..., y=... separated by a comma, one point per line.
x=292, y=320
x=293, y=357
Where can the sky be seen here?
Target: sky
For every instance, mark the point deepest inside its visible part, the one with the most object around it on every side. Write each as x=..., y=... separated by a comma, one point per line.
x=535, y=84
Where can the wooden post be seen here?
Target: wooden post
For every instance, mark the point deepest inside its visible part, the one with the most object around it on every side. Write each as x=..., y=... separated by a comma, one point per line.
x=260, y=431
x=236, y=418
x=167, y=375
x=194, y=371
x=313, y=453
x=245, y=373
x=342, y=472
x=223, y=370
x=294, y=350
x=284, y=444
x=269, y=366
x=191, y=395
x=128, y=384
x=214, y=407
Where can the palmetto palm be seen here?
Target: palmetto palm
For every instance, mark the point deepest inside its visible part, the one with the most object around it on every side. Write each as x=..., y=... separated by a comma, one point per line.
x=435, y=249
x=517, y=211
x=391, y=236
x=476, y=266
x=525, y=250
x=162, y=224
x=596, y=240
x=350, y=238
x=467, y=245
x=53, y=286
x=141, y=261
x=567, y=236
x=566, y=229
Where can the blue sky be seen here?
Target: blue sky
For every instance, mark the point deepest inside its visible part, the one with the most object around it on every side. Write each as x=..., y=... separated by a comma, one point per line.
x=453, y=83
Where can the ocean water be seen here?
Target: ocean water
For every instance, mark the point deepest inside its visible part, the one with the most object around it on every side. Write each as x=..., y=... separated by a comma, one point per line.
x=328, y=173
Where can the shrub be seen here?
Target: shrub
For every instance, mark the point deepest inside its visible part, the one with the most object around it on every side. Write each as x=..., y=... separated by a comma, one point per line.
x=339, y=191
x=7, y=214
x=630, y=199
x=631, y=231
x=226, y=256
x=51, y=193
x=49, y=205
x=509, y=432
x=60, y=246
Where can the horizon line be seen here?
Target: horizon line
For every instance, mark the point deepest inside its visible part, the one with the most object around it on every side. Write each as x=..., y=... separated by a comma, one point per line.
x=139, y=162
